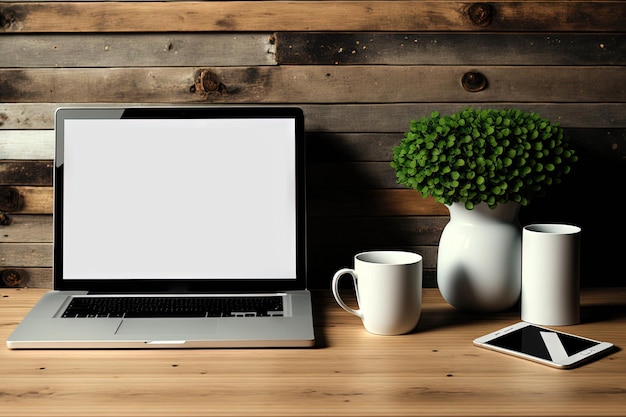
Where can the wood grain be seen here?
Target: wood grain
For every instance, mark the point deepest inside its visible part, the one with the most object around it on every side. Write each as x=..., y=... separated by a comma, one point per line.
x=313, y=84
x=433, y=371
x=33, y=200
x=37, y=146
x=60, y=50
x=30, y=254
x=370, y=48
x=391, y=15
x=343, y=117
x=27, y=229
x=25, y=172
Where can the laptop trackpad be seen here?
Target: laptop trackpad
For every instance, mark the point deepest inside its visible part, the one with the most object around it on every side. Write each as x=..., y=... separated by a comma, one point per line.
x=167, y=327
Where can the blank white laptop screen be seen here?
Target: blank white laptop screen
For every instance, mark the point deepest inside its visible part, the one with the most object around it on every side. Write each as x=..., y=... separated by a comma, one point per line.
x=132, y=187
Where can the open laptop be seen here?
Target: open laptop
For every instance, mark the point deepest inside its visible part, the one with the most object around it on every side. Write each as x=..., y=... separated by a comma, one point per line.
x=176, y=228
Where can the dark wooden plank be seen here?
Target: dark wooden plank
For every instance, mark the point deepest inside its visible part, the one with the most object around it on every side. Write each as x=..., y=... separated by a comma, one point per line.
x=345, y=118
x=389, y=16
x=606, y=143
x=342, y=256
x=325, y=261
x=392, y=202
x=395, y=117
x=345, y=170
x=335, y=148
x=26, y=172
x=350, y=202
x=351, y=175
x=313, y=84
x=371, y=232
x=349, y=172
x=136, y=50
x=296, y=48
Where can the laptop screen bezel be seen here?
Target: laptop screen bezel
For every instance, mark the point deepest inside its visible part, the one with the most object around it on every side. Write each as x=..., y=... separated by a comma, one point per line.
x=180, y=285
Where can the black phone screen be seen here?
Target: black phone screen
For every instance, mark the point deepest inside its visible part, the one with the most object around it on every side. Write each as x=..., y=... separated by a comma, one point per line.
x=529, y=340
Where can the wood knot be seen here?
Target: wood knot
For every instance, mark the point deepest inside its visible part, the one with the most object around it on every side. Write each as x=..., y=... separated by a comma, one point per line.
x=13, y=277
x=207, y=82
x=474, y=81
x=480, y=14
x=10, y=17
x=10, y=199
x=4, y=219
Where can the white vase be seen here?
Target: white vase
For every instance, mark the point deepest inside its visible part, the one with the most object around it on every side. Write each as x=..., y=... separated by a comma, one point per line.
x=479, y=259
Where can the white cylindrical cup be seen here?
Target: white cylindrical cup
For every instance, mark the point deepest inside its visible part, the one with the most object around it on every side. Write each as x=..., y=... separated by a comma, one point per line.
x=388, y=287
x=551, y=274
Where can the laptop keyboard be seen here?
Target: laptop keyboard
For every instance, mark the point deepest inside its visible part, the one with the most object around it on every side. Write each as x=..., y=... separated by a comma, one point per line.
x=154, y=307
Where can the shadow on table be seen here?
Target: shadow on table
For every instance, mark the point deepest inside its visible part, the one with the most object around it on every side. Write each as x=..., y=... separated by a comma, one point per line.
x=602, y=312
x=436, y=318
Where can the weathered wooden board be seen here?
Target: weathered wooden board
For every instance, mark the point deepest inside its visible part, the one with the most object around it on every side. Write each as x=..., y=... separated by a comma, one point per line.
x=25, y=172
x=414, y=230
x=359, y=69
x=369, y=231
x=390, y=202
x=334, y=241
x=26, y=277
x=356, y=175
x=26, y=244
x=322, y=255
x=322, y=175
x=26, y=254
x=390, y=15
x=26, y=144
x=326, y=153
x=296, y=48
x=351, y=175
x=30, y=200
x=348, y=118
x=27, y=229
x=325, y=261
x=340, y=256
x=332, y=165
x=136, y=50
x=313, y=84
x=607, y=144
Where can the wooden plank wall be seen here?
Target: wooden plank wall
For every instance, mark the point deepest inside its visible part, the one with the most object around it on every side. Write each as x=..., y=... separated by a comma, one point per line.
x=359, y=69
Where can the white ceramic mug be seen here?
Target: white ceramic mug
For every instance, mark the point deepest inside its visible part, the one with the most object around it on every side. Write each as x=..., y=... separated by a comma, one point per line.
x=551, y=274
x=388, y=287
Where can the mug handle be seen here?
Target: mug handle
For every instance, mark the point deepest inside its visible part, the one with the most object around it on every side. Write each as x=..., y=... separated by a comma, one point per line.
x=335, y=288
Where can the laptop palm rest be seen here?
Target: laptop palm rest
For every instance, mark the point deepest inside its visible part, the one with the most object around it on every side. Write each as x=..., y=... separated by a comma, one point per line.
x=167, y=327
x=74, y=329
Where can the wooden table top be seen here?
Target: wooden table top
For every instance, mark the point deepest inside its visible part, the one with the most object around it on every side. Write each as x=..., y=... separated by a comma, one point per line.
x=433, y=371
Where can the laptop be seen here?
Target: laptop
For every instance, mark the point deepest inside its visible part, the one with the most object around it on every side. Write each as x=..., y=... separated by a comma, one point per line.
x=176, y=228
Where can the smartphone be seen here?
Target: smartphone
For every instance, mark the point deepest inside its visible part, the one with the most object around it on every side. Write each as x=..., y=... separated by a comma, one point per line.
x=546, y=346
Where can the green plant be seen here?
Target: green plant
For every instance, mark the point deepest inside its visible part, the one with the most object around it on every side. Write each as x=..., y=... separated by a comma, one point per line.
x=474, y=156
